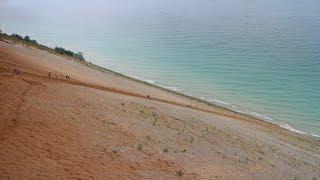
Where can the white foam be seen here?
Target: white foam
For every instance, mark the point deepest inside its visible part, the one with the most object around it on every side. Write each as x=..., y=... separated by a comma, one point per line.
x=150, y=81
x=287, y=126
x=171, y=88
x=143, y=79
x=136, y=77
x=318, y=136
x=220, y=102
x=280, y=124
x=261, y=116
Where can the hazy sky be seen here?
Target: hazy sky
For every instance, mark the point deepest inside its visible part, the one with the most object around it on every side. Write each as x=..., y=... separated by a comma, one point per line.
x=84, y=10
x=57, y=10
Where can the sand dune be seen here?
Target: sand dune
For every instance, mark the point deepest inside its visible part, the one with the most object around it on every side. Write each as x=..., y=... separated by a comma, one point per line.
x=97, y=124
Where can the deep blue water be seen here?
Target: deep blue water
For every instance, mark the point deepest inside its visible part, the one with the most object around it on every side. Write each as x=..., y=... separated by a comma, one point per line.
x=259, y=57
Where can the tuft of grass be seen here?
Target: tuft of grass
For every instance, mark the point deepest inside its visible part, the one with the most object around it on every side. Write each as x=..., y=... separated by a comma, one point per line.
x=114, y=150
x=154, y=123
x=185, y=150
x=140, y=147
x=180, y=173
x=148, y=137
x=165, y=149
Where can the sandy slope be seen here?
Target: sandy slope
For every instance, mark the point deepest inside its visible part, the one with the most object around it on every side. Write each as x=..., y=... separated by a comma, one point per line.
x=98, y=124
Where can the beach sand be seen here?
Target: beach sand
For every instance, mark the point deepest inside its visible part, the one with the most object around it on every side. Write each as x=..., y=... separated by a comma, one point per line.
x=86, y=122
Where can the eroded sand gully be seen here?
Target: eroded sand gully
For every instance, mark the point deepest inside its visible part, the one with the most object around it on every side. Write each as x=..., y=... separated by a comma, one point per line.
x=98, y=124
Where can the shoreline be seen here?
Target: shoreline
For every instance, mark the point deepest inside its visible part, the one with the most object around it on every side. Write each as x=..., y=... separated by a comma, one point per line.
x=239, y=113
x=258, y=117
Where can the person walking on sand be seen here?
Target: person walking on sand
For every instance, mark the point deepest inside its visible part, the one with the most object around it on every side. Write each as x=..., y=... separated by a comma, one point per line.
x=17, y=71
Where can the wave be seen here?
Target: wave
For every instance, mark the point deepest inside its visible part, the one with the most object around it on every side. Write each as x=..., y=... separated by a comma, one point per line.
x=259, y=116
x=143, y=79
x=278, y=123
x=220, y=102
x=172, y=88
x=287, y=126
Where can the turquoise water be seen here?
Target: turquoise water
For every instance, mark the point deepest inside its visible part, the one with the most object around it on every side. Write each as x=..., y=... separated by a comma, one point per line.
x=258, y=57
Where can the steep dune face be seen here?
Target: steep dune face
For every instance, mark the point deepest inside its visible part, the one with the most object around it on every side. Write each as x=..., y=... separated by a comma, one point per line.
x=58, y=130
x=95, y=124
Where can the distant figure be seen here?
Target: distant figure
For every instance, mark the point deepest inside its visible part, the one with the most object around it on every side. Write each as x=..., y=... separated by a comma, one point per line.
x=67, y=77
x=49, y=74
x=17, y=71
x=55, y=76
x=148, y=96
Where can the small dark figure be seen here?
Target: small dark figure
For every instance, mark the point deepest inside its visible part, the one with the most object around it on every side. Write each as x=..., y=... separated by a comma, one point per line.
x=154, y=114
x=56, y=76
x=148, y=96
x=67, y=77
x=122, y=104
x=17, y=71
x=49, y=74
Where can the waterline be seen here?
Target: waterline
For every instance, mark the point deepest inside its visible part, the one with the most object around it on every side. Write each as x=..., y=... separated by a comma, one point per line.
x=229, y=106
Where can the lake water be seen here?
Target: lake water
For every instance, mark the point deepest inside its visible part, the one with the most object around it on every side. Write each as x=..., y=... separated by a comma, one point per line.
x=258, y=57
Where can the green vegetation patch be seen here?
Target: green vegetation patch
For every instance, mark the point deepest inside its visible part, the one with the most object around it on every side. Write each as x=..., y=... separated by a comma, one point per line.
x=27, y=40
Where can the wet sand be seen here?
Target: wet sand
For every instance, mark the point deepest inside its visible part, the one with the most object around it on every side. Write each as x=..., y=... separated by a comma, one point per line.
x=86, y=122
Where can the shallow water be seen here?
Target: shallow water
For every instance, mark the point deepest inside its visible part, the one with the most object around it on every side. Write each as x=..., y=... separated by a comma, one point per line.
x=261, y=58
